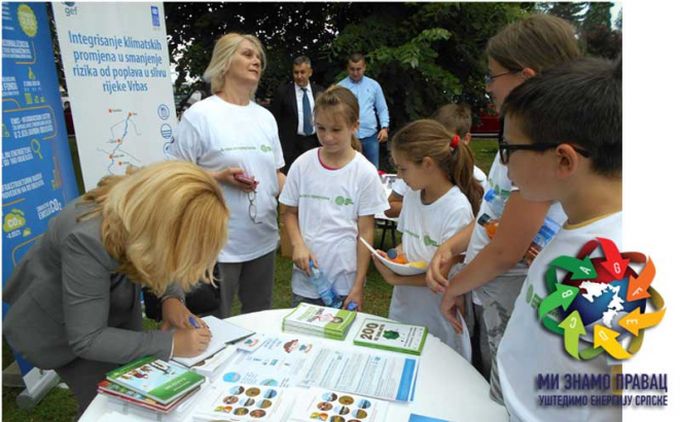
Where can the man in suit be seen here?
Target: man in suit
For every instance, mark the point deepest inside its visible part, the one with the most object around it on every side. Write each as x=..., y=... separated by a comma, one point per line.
x=293, y=107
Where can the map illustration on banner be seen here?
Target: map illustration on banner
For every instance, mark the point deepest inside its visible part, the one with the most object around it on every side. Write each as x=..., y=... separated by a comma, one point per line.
x=118, y=77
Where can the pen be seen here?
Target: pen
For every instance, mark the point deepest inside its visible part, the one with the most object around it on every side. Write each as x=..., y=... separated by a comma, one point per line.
x=193, y=322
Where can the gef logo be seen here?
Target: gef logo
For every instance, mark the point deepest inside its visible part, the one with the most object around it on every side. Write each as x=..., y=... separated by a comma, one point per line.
x=70, y=8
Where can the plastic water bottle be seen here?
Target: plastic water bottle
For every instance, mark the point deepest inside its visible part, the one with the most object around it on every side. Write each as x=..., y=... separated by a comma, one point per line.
x=324, y=287
x=542, y=238
x=496, y=205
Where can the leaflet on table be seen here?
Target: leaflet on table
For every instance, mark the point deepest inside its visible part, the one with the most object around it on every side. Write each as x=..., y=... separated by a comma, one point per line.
x=242, y=402
x=420, y=418
x=278, y=362
x=128, y=396
x=389, y=377
x=316, y=404
x=222, y=332
x=162, y=381
x=394, y=336
x=207, y=367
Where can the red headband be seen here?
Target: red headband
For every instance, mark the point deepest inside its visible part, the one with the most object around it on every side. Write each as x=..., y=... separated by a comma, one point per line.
x=454, y=141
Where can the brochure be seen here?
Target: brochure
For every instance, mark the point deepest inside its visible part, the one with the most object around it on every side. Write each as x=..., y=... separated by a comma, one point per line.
x=319, y=321
x=317, y=404
x=240, y=402
x=156, y=379
x=387, y=377
x=394, y=336
x=119, y=392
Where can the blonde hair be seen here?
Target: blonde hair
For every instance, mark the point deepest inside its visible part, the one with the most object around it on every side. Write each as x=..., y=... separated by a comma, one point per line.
x=429, y=138
x=163, y=223
x=343, y=103
x=537, y=42
x=222, y=56
x=456, y=118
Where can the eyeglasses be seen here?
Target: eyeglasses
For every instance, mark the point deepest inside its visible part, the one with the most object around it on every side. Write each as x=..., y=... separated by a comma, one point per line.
x=252, y=206
x=504, y=149
x=489, y=78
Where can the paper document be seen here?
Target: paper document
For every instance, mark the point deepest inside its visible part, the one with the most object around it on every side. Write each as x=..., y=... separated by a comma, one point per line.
x=223, y=333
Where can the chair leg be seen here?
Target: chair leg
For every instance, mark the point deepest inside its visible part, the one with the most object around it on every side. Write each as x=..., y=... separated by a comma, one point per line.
x=382, y=238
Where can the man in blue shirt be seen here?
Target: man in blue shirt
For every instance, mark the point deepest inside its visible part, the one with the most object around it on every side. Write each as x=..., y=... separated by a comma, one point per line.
x=371, y=105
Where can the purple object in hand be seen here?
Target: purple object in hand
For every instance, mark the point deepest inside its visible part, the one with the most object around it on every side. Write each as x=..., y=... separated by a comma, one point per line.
x=392, y=253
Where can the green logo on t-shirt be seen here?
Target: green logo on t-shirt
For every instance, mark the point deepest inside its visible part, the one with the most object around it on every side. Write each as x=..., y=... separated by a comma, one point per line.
x=265, y=148
x=341, y=200
x=429, y=242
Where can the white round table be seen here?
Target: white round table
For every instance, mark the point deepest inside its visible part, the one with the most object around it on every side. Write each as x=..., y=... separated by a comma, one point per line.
x=447, y=387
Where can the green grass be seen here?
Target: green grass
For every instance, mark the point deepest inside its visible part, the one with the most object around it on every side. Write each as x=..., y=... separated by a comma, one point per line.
x=59, y=404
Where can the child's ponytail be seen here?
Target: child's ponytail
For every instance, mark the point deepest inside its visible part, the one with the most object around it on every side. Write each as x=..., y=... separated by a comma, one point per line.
x=429, y=138
x=461, y=173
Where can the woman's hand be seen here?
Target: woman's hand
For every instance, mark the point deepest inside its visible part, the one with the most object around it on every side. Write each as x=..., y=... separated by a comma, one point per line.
x=176, y=315
x=190, y=342
x=228, y=176
x=301, y=257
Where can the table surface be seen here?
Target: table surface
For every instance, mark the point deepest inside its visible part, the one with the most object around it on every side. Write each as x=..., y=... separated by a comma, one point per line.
x=447, y=387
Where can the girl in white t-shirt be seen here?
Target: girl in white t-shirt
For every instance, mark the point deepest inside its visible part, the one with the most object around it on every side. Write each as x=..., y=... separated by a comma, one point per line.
x=330, y=197
x=442, y=200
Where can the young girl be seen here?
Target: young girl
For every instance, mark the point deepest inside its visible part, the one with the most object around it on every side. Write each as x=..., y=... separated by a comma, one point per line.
x=442, y=200
x=330, y=197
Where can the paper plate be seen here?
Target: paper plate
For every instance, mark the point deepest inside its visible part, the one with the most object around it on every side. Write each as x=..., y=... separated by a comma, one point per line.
x=400, y=269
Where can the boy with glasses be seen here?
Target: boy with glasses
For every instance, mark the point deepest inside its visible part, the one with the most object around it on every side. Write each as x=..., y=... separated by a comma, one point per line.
x=562, y=142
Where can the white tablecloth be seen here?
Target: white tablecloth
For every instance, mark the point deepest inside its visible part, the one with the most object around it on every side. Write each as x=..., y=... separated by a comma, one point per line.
x=447, y=387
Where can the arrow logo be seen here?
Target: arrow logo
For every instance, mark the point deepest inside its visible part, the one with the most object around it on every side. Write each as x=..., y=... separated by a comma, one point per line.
x=614, y=263
x=635, y=321
x=573, y=329
x=606, y=338
x=637, y=286
x=579, y=269
x=563, y=297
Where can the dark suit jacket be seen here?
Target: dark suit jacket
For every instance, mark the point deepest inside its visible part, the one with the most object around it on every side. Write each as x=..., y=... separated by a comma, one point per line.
x=284, y=109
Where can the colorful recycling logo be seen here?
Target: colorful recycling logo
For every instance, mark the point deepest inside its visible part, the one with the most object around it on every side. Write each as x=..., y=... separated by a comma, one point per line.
x=601, y=298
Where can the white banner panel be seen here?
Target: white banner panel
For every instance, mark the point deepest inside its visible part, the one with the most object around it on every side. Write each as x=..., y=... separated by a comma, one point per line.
x=115, y=58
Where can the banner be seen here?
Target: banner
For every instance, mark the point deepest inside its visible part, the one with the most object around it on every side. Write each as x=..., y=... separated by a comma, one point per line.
x=115, y=58
x=37, y=173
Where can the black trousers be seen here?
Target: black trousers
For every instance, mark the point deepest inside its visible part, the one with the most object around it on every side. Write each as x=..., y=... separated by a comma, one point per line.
x=301, y=145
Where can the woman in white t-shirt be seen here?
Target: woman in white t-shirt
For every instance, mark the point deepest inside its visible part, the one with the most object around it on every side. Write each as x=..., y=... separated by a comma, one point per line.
x=237, y=140
x=442, y=200
x=330, y=197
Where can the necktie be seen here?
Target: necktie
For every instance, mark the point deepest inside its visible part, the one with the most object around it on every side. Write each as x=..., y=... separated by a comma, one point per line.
x=307, y=126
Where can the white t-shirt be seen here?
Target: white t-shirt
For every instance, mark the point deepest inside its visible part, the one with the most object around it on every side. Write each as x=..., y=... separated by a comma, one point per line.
x=216, y=134
x=399, y=187
x=329, y=204
x=499, y=182
x=424, y=228
x=479, y=176
x=528, y=349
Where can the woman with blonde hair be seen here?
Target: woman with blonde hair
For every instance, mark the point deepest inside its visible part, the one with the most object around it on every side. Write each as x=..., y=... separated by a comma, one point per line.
x=74, y=296
x=237, y=140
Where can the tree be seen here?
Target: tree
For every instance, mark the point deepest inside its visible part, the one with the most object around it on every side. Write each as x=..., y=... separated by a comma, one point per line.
x=425, y=55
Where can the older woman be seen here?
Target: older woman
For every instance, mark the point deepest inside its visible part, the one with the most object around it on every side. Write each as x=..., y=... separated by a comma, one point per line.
x=237, y=140
x=75, y=295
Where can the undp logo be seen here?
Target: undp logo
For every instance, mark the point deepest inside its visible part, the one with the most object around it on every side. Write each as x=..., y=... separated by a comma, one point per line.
x=604, y=301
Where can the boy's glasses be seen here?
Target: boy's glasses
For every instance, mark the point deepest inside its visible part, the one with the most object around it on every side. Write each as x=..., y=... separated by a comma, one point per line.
x=505, y=149
x=488, y=78
x=252, y=206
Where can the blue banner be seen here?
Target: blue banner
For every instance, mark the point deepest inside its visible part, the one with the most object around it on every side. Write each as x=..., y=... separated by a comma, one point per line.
x=37, y=174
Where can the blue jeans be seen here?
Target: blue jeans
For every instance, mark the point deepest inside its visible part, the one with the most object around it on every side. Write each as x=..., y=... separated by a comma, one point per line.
x=370, y=148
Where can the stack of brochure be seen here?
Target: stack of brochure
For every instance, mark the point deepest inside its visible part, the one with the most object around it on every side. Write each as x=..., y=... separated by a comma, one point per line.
x=394, y=336
x=319, y=321
x=151, y=383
